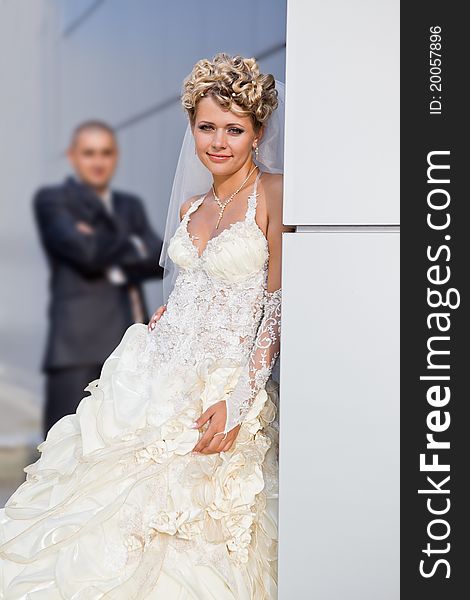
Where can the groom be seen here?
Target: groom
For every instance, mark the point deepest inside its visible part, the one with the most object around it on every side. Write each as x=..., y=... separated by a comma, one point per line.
x=100, y=246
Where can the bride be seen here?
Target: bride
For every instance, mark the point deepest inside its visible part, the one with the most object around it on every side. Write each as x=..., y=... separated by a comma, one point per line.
x=163, y=484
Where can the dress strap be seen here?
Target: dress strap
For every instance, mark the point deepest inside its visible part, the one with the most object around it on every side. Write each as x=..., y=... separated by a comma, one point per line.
x=252, y=199
x=194, y=205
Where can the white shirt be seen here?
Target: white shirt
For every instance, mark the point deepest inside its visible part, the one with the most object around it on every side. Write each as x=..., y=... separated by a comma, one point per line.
x=115, y=274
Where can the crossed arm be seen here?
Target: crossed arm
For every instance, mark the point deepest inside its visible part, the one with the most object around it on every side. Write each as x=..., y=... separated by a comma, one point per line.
x=93, y=251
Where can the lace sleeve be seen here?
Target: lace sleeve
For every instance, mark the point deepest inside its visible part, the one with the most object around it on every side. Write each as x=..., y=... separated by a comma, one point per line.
x=259, y=365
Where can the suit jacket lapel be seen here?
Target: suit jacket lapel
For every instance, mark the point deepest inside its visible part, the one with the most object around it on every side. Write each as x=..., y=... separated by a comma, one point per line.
x=80, y=192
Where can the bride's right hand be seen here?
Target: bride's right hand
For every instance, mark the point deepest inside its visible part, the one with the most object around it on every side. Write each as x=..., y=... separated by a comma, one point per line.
x=156, y=315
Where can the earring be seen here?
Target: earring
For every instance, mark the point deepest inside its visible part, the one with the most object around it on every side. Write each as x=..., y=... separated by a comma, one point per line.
x=256, y=152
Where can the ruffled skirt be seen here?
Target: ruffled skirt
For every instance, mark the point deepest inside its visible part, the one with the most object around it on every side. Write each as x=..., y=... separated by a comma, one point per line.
x=117, y=507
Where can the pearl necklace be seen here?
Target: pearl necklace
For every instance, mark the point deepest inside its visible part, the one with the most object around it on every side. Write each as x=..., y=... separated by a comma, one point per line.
x=224, y=204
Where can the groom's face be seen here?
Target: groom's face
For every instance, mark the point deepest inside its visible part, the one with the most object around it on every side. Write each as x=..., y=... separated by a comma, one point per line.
x=223, y=138
x=93, y=155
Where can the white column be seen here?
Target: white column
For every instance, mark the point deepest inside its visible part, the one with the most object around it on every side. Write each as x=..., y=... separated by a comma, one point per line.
x=339, y=395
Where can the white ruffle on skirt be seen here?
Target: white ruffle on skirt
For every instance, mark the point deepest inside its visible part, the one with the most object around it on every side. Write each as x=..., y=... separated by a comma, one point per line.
x=117, y=507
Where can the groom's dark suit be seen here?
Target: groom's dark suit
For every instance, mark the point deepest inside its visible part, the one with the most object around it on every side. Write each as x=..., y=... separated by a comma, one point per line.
x=88, y=313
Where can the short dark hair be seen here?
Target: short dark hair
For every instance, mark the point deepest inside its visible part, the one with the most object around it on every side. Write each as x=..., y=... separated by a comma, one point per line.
x=89, y=125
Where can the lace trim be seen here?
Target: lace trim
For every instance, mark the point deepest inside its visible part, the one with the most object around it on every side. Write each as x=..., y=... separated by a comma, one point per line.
x=260, y=363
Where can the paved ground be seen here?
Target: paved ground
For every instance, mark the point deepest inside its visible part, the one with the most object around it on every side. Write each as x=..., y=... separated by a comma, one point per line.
x=20, y=425
x=12, y=462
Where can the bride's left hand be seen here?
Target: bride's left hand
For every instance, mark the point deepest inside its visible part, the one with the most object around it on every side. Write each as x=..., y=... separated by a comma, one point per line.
x=210, y=443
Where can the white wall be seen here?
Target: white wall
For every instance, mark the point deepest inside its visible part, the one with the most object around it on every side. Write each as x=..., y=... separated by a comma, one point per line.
x=339, y=417
x=339, y=435
x=342, y=112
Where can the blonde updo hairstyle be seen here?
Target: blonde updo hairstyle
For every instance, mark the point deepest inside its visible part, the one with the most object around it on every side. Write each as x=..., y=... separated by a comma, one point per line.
x=231, y=80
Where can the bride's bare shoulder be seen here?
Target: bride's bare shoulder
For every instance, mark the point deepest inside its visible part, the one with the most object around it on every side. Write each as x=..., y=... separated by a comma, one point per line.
x=273, y=181
x=186, y=204
x=273, y=188
x=271, y=185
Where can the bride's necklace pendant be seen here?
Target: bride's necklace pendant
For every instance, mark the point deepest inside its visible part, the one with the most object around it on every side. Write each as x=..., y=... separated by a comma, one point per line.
x=230, y=198
x=218, y=220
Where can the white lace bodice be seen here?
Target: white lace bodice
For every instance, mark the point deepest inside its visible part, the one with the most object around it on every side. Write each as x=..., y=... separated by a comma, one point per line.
x=216, y=303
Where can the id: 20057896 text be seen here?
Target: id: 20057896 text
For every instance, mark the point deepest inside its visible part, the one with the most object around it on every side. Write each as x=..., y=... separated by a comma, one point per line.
x=435, y=70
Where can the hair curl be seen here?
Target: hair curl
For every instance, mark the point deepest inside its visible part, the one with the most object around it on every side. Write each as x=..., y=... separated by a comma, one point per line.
x=231, y=80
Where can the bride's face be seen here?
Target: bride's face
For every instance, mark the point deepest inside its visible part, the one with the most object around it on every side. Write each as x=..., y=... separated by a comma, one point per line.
x=223, y=138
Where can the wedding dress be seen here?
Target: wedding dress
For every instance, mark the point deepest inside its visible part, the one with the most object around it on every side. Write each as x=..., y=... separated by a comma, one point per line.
x=117, y=506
